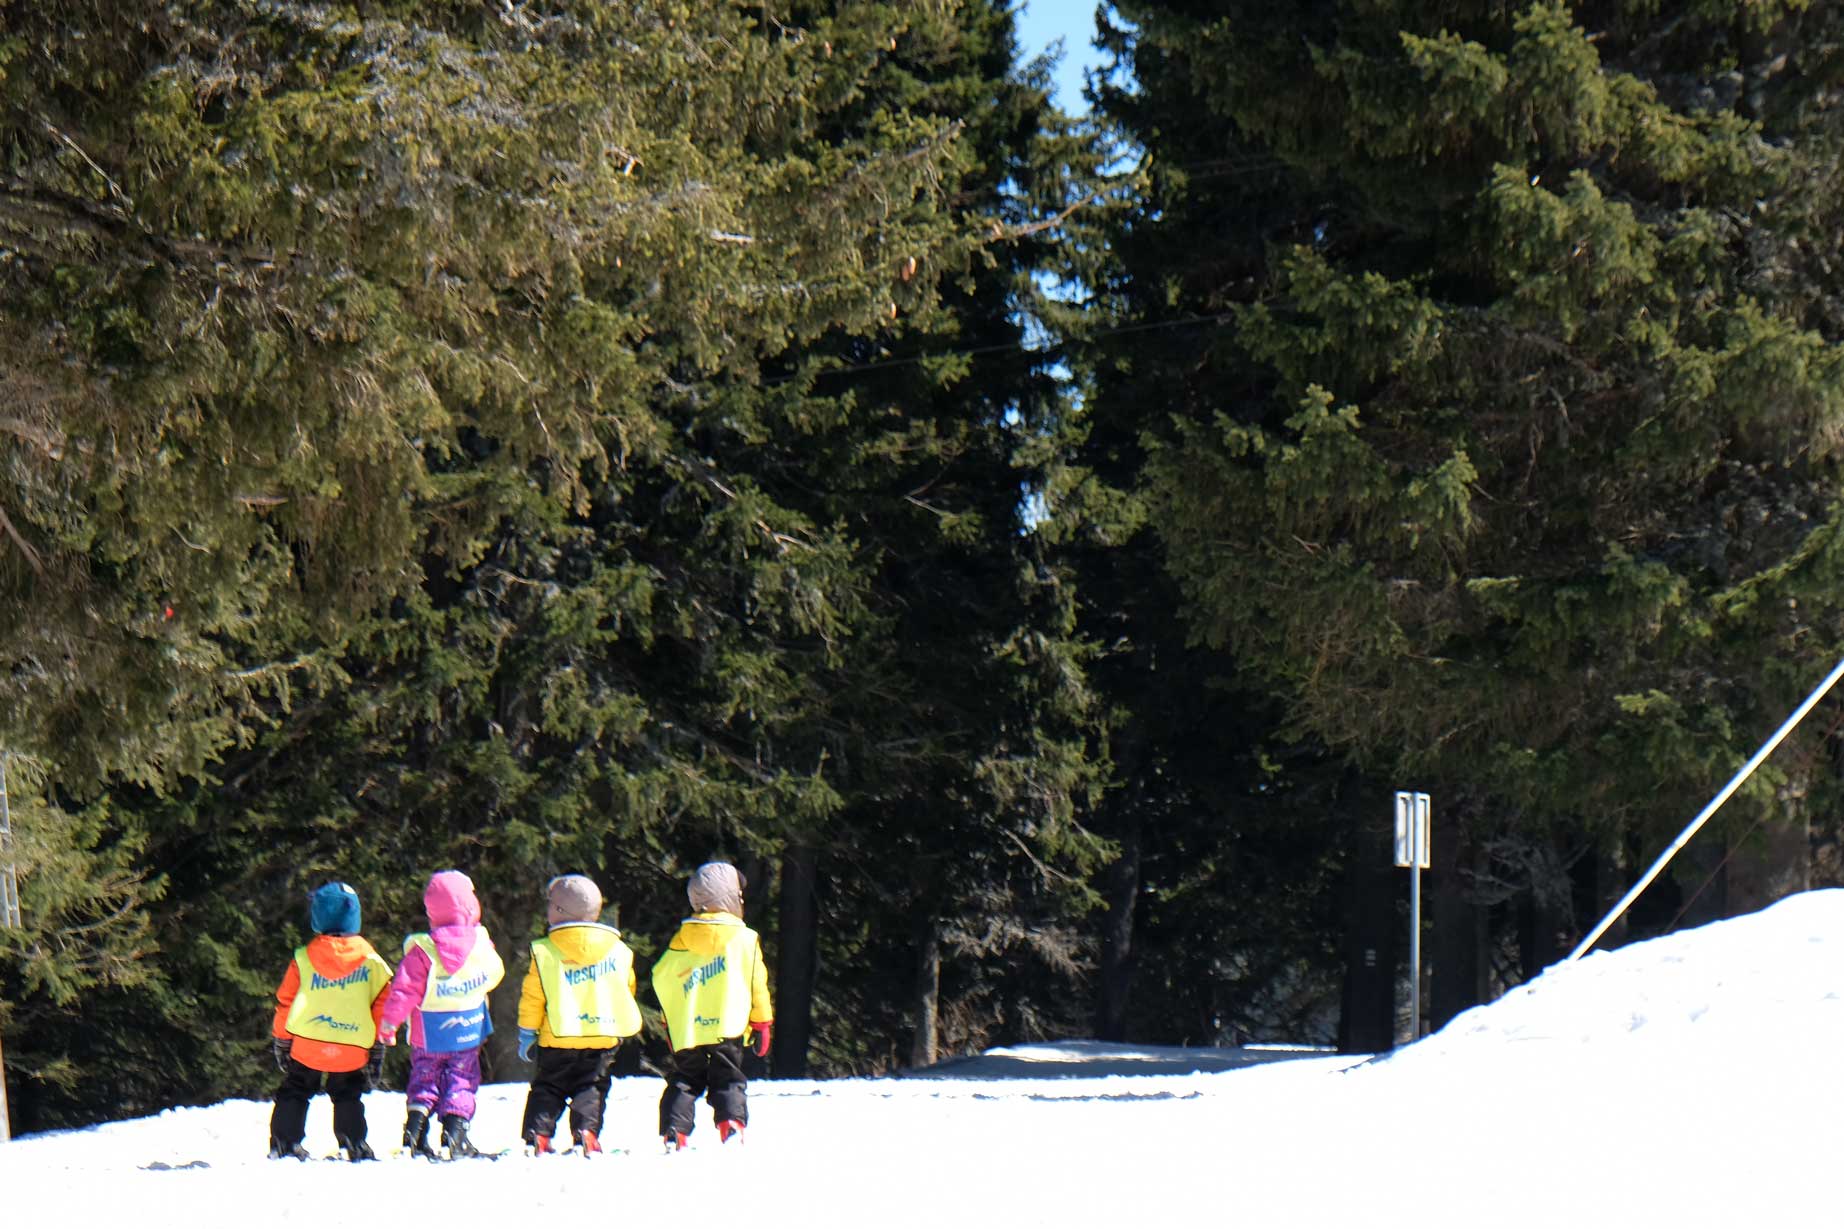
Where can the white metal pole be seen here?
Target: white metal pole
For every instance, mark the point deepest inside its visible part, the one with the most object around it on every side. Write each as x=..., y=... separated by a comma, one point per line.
x=1735, y=783
x=9, y=876
x=1415, y=951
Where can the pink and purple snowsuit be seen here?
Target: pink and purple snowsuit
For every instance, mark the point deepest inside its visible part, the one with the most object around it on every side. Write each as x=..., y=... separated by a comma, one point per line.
x=444, y=1045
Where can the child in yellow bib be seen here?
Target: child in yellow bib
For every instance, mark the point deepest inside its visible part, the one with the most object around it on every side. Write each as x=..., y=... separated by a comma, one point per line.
x=576, y=1006
x=326, y=1027
x=712, y=985
x=441, y=990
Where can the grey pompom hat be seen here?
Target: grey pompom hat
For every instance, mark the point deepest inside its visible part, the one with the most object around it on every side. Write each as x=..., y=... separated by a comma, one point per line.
x=716, y=887
x=572, y=898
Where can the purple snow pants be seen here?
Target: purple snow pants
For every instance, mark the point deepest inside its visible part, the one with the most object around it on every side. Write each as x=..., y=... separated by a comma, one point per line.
x=444, y=1083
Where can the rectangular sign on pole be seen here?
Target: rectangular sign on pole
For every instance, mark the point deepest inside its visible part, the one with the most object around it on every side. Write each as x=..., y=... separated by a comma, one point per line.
x=1414, y=829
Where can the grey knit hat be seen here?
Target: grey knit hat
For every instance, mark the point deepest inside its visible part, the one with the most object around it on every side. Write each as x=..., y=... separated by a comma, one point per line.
x=572, y=898
x=716, y=886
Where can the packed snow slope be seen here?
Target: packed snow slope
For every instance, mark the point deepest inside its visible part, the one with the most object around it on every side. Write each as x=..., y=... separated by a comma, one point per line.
x=1692, y=1080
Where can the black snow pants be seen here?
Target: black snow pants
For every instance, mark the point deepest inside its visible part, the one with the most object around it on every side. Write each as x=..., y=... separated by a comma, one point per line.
x=346, y=1089
x=576, y=1078
x=714, y=1072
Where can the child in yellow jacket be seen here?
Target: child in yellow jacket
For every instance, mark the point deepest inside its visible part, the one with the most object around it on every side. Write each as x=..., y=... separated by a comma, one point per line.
x=576, y=1006
x=712, y=985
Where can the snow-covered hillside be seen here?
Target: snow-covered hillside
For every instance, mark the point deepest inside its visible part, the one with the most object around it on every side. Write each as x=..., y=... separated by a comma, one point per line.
x=1693, y=1080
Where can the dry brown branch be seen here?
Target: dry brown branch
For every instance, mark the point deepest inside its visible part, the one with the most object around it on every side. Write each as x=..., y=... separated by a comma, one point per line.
x=25, y=547
x=1055, y=220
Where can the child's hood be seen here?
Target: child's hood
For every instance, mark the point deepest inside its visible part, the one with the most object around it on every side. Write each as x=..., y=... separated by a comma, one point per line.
x=337, y=955
x=454, y=917
x=584, y=942
x=706, y=934
x=450, y=901
x=454, y=944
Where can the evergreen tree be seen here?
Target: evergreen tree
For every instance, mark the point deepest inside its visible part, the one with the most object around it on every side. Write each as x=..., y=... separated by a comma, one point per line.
x=960, y=724
x=1221, y=922
x=1509, y=470
x=366, y=487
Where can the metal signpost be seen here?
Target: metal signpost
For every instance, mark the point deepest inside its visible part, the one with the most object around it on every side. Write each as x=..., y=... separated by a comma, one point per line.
x=1414, y=846
x=9, y=917
x=9, y=875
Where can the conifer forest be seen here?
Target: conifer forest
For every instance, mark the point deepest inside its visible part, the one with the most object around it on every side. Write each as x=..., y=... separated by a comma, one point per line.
x=570, y=436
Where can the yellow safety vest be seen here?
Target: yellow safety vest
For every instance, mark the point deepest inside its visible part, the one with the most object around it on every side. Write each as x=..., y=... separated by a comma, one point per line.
x=704, y=998
x=337, y=1009
x=587, y=1000
x=454, y=1005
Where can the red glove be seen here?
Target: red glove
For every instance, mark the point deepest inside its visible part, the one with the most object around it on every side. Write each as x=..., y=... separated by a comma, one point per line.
x=762, y=1031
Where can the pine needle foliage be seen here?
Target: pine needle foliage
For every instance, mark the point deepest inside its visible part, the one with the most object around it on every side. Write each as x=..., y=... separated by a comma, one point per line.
x=436, y=439
x=1512, y=467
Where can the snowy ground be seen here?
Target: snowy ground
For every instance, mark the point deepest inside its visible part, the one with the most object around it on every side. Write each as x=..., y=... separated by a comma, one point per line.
x=1693, y=1080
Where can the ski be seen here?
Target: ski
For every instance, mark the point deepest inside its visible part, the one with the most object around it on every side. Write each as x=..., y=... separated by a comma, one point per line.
x=441, y=1158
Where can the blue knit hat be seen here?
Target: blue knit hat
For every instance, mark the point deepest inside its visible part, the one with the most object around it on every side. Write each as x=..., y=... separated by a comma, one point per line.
x=334, y=909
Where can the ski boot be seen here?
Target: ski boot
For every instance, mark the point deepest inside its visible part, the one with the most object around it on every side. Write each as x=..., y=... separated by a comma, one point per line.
x=587, y=1143
x=540, y=1145
x=278, y=1151
x=357, y=1150
x=416, y=1134
x=730, y=1129
x=675, y=1141
x=454, y=1137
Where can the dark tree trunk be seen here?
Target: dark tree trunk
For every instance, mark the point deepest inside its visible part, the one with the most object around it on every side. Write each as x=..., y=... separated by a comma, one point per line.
x=1367, y=1019
x=1599, y=880
x=1115, y=980
x=507, y=923
x=928, y=994
x=1538, y=926
x=756, y=872
x=799, y=958
x=1774, y=862
x=1456, y=951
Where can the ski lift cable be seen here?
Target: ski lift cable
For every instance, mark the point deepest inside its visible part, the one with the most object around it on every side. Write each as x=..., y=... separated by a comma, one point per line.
x=1683, y=838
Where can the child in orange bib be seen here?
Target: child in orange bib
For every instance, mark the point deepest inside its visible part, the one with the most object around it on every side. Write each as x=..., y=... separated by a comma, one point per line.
x=326, y=1027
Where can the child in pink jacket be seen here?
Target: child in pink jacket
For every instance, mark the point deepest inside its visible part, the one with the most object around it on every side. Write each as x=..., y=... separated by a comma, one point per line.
x=441, y=989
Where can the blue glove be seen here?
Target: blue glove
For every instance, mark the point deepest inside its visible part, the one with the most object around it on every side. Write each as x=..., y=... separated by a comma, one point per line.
x=528, y=1037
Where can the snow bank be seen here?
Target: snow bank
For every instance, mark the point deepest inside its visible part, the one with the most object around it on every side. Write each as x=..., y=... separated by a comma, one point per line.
x=1687, y=1081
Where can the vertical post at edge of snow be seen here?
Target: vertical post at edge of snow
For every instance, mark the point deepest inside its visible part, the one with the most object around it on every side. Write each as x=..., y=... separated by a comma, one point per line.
x=1414, y=849
x=9, y=917
x=1683, y=838
x=9, y=875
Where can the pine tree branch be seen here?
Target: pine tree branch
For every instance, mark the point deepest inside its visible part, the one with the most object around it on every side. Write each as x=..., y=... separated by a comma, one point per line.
x=25, y=547
x=31, y=210
x=53, y=442
x=1043, y=868
x=115, y=189
x=1002, y=232
x=273, y=667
